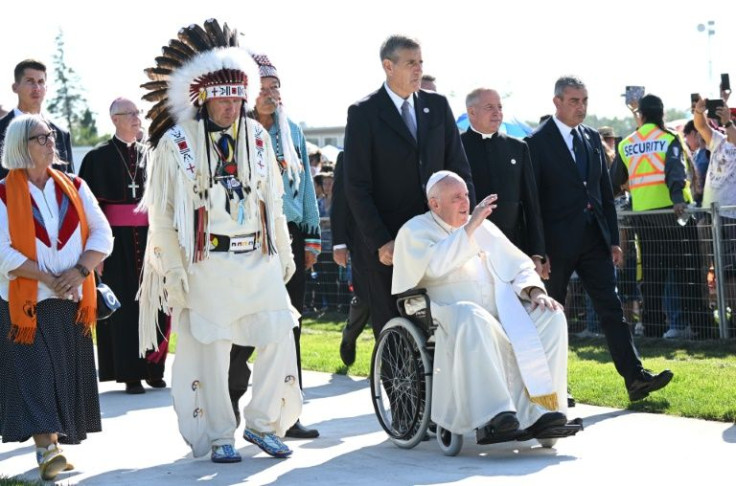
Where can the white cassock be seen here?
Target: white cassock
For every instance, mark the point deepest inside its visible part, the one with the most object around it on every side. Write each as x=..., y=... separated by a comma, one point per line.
x=483, y=367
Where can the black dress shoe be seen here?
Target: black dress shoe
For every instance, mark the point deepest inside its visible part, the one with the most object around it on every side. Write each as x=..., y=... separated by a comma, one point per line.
x=156, y=383
x=647, y=382
x=298, y=431
x=347, y=352
x=134, y=388
x=546, y=421
x=570, y=400
x=503, y=427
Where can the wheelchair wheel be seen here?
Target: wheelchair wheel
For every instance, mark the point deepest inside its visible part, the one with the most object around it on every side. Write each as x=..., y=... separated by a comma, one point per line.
x=401, y=382
x=547, y=443
x=450, y=443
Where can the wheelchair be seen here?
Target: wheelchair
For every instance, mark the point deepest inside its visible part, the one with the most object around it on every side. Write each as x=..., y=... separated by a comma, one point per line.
x=401, y=380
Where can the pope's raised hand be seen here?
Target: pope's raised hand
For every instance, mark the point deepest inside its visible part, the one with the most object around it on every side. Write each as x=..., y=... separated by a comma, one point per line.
x=481, y=212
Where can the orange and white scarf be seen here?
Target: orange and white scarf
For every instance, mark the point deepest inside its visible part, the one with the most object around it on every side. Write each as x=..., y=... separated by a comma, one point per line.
x=23, y=292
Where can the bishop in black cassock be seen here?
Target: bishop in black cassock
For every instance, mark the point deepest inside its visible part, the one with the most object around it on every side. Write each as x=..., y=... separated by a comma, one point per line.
x=115, y=171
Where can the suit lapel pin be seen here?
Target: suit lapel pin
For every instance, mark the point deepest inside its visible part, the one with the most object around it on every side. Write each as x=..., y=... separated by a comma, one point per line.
x=513, y=161
x=587, y=137
x=426, y=110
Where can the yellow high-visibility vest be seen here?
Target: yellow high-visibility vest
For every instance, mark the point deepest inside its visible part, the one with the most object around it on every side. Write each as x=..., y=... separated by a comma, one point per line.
x=644, y=153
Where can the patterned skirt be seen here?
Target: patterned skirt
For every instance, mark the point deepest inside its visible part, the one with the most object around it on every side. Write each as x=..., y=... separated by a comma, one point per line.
x=51, y=385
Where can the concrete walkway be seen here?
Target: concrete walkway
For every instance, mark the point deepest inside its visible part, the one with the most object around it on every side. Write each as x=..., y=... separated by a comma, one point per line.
x=140, y=445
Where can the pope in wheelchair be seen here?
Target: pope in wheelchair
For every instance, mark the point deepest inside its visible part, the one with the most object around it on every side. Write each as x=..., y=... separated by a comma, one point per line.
x=500, y=342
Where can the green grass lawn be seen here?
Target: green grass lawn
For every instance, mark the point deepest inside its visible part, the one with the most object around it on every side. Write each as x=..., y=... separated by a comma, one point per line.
x=704, y=385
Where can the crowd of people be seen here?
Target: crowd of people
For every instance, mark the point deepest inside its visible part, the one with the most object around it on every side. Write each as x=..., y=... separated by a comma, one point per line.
x=209, y=226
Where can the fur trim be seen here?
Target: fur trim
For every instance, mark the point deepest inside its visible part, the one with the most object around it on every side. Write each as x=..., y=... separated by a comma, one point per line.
x=179, y=102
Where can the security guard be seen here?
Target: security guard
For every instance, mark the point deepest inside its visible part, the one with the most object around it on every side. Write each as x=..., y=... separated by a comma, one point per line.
x=655, y=162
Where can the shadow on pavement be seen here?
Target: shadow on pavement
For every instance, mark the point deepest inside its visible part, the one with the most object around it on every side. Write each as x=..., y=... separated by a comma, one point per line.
x=115, y=403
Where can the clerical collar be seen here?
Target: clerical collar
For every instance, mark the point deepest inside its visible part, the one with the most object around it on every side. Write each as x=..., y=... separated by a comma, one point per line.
x=127, y=144
x=484, y=136
x=398, y=100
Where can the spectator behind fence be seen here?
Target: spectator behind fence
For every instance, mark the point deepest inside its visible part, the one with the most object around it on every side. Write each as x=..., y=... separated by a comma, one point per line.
x=655, y=163
x=323, y=288
x=48, y=386
x=720, y=181
x=30, y=86
x=344, y=236
x=580, y=226
x=700, y=156
x=394, y=140
x=115, y=171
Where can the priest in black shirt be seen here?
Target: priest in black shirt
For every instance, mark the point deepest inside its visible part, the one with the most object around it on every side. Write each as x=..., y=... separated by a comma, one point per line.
x=115, y=172
x=501, y=165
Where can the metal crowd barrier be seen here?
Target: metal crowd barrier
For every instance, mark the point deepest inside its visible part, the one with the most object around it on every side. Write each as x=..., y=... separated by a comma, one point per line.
x=678, y=279
x=688, y=273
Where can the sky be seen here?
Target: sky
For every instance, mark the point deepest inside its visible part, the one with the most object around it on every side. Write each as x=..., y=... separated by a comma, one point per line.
x=326, y=51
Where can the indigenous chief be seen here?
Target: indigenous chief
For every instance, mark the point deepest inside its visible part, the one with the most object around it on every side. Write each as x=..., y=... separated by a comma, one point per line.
x=302, y=217
x=52, y=234
x=30, y=86
x=219, y=253
x=500, y=362
x=394, y=140
x=501, y=165
x=115, y=172
x=580, y=226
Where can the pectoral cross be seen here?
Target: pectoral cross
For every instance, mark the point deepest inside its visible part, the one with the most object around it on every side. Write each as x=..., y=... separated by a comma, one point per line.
x=133, y=186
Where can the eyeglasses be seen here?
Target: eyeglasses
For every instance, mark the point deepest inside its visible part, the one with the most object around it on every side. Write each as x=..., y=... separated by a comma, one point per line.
x=130, y=113
x=44, y=138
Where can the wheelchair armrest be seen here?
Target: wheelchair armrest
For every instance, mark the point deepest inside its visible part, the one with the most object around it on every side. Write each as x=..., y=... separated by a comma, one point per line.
x=414, y=305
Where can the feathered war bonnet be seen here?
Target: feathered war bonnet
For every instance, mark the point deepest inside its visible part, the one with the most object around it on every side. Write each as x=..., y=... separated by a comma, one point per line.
x=201, y=64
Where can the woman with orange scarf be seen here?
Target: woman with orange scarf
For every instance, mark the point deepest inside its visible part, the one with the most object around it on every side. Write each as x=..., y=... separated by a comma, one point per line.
x=52, y=234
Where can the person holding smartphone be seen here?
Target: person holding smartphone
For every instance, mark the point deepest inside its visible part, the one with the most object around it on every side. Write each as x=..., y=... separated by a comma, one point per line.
x=720, y=179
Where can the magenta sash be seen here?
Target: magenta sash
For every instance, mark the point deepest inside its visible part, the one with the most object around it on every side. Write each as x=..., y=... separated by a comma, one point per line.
x=124, y=215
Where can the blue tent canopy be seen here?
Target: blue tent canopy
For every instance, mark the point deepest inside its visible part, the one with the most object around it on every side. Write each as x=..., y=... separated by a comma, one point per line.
x=513, y=126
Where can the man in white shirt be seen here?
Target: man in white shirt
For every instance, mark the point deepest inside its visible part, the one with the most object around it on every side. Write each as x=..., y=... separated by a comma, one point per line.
x=30, y=86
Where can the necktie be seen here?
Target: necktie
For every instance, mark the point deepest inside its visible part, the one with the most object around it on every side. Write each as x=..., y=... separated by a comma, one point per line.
x=581, y=160
x=408, y=119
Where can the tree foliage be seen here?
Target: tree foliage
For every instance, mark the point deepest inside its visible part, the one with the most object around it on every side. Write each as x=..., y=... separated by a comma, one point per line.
x=69, y=102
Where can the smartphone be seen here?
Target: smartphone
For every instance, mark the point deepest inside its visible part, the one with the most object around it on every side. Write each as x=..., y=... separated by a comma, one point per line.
x=711, y=106
x=634, y=94
x=725, y=83
x=694, y=97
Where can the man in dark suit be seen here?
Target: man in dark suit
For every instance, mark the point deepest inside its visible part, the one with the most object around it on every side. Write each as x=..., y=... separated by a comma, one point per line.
x=501, y=165
x=344, y=237
x=395, y=139
x=30, y=86
x=580, y=226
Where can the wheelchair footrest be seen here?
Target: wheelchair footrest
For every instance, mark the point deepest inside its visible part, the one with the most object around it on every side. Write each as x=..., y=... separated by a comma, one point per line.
x=556, y=432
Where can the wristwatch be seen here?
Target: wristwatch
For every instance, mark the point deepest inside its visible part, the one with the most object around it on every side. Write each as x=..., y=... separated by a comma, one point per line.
x=82, y=269
x=729, y=123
